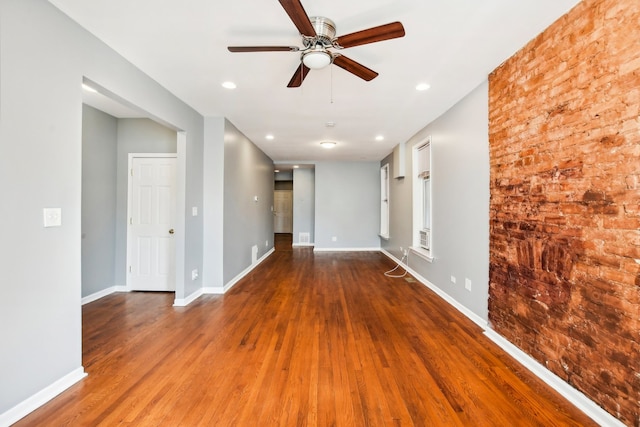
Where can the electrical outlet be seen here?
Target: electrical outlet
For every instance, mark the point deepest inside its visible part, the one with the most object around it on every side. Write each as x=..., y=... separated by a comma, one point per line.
x=266, y=243
x=52, y=217
x=467, y=284
x=194, y=274
x=334, y=239
x=453, y=279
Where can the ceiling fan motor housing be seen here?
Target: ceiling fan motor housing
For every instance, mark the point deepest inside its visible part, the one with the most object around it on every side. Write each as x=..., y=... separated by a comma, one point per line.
x=325, y=30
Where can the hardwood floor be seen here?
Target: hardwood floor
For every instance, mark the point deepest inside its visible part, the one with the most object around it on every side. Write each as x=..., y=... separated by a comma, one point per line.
x=306, y=339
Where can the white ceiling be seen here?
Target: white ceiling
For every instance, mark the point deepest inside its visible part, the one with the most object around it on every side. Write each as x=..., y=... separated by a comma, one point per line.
x=450, y=44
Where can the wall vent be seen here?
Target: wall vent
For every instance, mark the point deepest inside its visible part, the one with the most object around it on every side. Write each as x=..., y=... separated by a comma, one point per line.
x=304, y=238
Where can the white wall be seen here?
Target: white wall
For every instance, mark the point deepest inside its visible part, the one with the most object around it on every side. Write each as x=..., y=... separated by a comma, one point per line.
x=460, y=187
x=44, y=57
x=347, y=205
x=303, y=203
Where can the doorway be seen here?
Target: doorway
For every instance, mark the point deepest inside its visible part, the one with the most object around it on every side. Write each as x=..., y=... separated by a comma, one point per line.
x=283, y=211
x=111, y=128
x=151, y=222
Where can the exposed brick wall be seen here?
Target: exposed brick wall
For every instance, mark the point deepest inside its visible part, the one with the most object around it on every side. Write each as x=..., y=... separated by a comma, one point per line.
x=564, y=131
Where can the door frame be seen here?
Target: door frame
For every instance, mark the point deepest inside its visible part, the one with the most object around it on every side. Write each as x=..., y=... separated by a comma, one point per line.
x=132, y=156
x=290, y=192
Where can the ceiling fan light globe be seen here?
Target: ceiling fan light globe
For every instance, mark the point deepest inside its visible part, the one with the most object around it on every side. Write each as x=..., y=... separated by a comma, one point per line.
x=316, y=59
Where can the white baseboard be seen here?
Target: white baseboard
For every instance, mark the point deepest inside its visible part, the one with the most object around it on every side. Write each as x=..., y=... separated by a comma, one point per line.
x=213, y=290
x=103, y=293
x=32, y=403
x=246, y=271
x=97, y=295
x=183, y=302
x=442, y=294
x=577, y=398
x=219, y=290
x=303, y=245
x=346, y=249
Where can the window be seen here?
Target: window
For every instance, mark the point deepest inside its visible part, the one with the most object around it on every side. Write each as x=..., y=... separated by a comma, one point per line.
x=384, y=201
x=422, y=200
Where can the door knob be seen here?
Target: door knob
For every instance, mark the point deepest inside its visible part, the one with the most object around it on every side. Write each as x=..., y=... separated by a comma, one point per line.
x=171, y=231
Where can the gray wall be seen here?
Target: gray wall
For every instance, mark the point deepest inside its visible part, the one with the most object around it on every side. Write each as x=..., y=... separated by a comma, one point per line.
x=248, y=172
x=283, y=176
x=303, y=203
x=460, y=186
x=134, y=136
x=44, y=56
x=347, y=205
x=99, y=142
x=213, y=203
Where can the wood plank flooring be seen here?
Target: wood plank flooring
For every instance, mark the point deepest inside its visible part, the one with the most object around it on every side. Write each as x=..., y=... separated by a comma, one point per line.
x=306, y=339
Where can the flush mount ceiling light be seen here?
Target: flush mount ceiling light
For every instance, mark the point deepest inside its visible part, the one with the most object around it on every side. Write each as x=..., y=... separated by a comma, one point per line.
x=327, y=144
x=379, y=138
x=277, y=170
x=316, y=58
x=296, y=166
x=270, y=137
x=423, y=86
x=229, y=85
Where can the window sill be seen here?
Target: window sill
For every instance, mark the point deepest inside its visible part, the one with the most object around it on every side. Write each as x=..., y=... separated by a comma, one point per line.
x=422, y=253
x=384, y=236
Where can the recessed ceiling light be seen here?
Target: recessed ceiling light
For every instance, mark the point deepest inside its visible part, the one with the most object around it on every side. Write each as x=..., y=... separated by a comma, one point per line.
x=379, y=138
x=327, y=144
x=229, y=85
x=330, y=124
x=88, y=88
x=269, y=137
x=296, y=166
x=423, y=86
x=277, y=170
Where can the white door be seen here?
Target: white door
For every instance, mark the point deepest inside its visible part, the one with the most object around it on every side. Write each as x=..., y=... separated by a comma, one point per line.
x=150, y=237
x=282, y=211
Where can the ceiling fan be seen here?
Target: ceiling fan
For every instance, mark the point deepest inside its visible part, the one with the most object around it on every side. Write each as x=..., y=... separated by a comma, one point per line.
x=318, y=37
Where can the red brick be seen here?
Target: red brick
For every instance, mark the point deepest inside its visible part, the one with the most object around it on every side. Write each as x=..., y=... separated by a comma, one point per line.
x=564, y=137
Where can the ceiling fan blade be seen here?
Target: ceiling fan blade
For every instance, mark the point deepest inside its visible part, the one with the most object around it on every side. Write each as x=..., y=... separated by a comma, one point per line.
x=263, y=48
x=299, y=76
x=299, y=17
x=355, y=68
x=372, y=35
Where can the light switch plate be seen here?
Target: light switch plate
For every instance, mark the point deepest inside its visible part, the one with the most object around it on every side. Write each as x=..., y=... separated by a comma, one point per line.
x=52, y=217
x=194, y=211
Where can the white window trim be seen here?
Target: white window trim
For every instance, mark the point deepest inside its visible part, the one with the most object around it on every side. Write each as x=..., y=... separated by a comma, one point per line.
x=417, y=200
